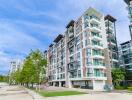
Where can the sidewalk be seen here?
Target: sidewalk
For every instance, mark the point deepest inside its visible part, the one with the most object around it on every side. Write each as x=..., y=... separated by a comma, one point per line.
x=35, y=95
x=14, y=93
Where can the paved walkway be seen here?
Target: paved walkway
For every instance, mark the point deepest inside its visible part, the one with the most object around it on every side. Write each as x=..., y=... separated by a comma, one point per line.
x=19, y=93
x=13, y=93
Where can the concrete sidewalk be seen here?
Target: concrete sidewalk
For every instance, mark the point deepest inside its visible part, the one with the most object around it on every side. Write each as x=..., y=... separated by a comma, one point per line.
x=14, y=93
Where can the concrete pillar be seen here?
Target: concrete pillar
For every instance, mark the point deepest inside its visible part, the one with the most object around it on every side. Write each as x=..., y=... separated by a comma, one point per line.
x=93, y=82
x=59, y=84
x=53, y=83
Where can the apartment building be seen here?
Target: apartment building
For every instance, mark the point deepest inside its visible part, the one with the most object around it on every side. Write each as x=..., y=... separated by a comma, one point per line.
x=111, y=40
x=80, y=56
x=14, y=65
x=125, y=48
x=129, y=8
x=126, y=57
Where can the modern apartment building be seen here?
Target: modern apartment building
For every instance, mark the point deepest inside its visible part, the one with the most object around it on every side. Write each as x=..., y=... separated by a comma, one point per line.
x=14, y=66
x=111, y=40
x=80, y=56
x=126, y=47
x=126, y=57
x=129, y=8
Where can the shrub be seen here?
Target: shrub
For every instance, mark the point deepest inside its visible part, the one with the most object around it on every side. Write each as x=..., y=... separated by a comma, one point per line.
x=129, y=88
x=119, y=87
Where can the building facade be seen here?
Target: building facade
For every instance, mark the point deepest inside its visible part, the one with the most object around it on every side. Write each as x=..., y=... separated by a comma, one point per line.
x=129, y=8
x=111, y=40
x=80, y=56
x=126, y=60
x=14, y=66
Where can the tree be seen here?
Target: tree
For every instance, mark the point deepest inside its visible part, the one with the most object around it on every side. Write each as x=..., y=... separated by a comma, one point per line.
x=39, y=63
x=118, y=76
x=3, y=78
x=32, y=71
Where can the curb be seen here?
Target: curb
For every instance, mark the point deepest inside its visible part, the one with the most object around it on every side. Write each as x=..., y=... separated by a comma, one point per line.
x=35, y=95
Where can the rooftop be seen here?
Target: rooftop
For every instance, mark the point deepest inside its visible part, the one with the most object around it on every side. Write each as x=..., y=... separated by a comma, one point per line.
x=45, y=51
x=50, y=45
x=92, y=11
x=58, y=38
x=127, y=1
x=109, y=17
x=71, y=23
x=125, y=42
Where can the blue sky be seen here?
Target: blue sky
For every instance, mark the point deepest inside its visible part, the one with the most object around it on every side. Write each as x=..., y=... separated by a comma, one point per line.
x=32, y=24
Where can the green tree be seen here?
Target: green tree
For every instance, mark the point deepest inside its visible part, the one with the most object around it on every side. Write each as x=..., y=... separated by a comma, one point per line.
x=118, y=76
x=3, y=78
x=32, y=71
x=39, y=63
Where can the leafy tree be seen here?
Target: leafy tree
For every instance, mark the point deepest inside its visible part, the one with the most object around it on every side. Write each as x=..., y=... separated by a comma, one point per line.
x=39, y=64
x=32, y=71
x=118, y=76
x=3, y=78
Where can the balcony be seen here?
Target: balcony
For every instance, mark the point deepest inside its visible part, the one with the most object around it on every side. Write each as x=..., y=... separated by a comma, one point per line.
x=72, y=66
x=100, y=78
x=92, y=76
x=95, y=21
x=97, y=46
x=95, y=28
x=71, y=43
x=115, y=60
x=98, y=56
x=112, y=43
x=71, y=34
x=97, y=37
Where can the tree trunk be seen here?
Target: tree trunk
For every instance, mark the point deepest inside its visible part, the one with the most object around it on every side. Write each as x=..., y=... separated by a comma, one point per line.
x=27, y=84
x=32, y=85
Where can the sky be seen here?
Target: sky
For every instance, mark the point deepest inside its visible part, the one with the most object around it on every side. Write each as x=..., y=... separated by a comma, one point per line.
x=33, y=24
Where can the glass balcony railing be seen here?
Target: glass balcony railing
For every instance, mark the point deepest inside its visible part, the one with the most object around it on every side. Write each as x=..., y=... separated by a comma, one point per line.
x=96, y=35
x=97, y=53
x=95, y=26
x=97, y=44
x=94, y=17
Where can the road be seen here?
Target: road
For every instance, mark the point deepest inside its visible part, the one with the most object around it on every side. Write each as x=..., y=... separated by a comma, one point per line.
x=13, y=93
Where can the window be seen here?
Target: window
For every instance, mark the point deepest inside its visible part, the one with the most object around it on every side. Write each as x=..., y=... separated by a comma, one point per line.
x=71, y=58
x=88, y=62
x=88, y=51
x=71, y=50
x=97, y=62
x=89, y=72
x=86, y=24
x=79, y=73
x=78, y=46
x=78, y=56
x=78, y=39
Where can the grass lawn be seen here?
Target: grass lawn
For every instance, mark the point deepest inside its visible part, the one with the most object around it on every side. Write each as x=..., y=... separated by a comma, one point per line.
x=60, y=93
